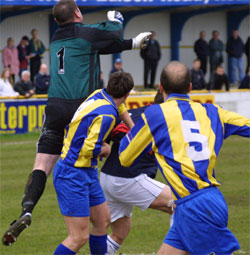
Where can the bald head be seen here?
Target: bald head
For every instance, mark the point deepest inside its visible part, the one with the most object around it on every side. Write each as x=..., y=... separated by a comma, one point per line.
x=43, y=68
x=175, y=78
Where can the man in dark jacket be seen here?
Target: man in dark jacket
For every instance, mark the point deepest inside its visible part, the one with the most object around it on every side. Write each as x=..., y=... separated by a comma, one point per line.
x=216, y=48
x=42, y=80
x=151, y=56
x=25, y=87
x=235, y=49
x=201, y=49
x=247, y=51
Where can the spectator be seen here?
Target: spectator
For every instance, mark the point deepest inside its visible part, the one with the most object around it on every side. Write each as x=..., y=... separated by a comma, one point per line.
x=6, y=85
x=102, y=85
x=197, y=76
x=235, y=49
x=151, y=56
x=117, y=66
x=23, y=52
x=201, y=49
x=247, y=46
x=36, y=49
x=218, y=79
x=24, y=86
x=42, y=80
x=245, y=83
x=10, y=58
x=216, y=48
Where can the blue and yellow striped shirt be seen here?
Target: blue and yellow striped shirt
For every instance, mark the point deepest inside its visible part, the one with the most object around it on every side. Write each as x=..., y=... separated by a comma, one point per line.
x=186, y=138
x=90, y=126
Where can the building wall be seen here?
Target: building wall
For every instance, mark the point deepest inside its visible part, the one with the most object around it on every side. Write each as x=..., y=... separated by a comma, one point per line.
x=18, y=26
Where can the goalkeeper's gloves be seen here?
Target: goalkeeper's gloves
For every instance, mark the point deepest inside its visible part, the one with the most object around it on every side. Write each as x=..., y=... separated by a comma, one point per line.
x=115, y=16
x=141, y=41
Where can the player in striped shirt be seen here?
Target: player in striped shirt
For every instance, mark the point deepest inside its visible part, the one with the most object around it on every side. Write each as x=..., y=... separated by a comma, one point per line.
x=79, y=193
x=186, y=138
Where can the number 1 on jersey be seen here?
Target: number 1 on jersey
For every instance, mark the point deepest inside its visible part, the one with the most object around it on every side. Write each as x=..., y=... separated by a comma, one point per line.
x=60, y=54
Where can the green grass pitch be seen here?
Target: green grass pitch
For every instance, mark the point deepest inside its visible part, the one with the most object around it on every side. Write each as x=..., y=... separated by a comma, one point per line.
x=148, y=228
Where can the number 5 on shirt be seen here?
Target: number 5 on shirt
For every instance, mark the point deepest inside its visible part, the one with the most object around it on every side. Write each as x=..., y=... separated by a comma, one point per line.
x=191, y=134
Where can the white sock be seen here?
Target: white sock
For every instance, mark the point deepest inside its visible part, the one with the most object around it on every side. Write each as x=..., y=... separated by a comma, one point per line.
x=113, y=246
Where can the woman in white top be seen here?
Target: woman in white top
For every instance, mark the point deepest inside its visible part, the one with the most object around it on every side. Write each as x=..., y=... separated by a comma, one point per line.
x=6, y=89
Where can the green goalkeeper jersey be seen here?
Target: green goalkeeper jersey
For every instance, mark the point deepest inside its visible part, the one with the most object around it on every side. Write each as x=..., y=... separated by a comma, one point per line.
x=74, y=57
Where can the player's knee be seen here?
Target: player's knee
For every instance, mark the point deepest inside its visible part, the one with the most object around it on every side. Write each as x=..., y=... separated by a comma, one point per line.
x=101, y=225
x=79, y=240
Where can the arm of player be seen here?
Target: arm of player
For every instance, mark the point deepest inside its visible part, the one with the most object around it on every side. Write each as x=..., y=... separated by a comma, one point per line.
x=105, y=150
x=124, y=116
x=98, y=132
x=135, y=143
x=111, y=29
x=140, y=41
x=234, y=123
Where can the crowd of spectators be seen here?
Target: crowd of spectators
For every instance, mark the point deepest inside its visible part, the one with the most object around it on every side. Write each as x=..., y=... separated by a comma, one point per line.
x=212, y=51
x=29, y=53
x=16, y=79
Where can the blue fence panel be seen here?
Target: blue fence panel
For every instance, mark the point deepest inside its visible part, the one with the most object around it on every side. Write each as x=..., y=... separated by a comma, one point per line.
x=21, y=116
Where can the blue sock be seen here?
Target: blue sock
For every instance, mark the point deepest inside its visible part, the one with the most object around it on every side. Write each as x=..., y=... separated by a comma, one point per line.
x=63, y=250
x=98, y=244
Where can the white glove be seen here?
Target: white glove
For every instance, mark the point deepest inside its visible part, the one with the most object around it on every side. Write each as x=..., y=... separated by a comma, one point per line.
x=141, y=40
x=115, y=16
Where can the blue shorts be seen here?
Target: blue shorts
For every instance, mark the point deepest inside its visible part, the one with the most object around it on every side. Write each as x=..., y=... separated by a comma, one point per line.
x=77, y=189
x=200, y=224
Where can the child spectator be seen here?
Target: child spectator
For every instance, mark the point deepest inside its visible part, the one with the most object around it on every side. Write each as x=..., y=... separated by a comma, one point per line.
x=117, y=66
x=23, y=52
x=197, y=76
x=6, y=89
x=218, y=79
x=24, y=86
x=42, y=80
x=10, y=58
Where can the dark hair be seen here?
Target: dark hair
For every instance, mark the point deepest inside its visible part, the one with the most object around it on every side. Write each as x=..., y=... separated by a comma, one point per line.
x=33, y=30
x=175, y=78
x=215, y=31
x=25, y=37
x=119, y=84
x=158, y=98
x=64, y=11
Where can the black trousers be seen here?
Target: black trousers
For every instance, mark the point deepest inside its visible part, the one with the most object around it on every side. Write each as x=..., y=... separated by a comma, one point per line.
x=203, y=60
x=150, y=67
x=34, y=67
x=248, y=65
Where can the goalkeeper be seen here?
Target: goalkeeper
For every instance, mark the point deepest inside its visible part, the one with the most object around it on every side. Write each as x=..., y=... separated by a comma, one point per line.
x=75, y=74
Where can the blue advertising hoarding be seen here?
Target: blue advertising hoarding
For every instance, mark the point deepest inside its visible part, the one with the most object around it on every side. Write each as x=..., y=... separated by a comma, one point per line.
x=21, y=116
x=128, y=2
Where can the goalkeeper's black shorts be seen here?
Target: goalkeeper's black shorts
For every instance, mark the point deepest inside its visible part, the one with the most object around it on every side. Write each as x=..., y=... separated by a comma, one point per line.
x=58, y=114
